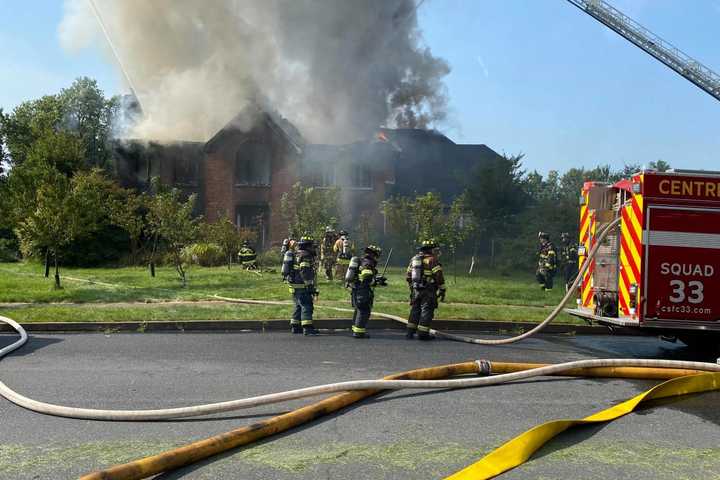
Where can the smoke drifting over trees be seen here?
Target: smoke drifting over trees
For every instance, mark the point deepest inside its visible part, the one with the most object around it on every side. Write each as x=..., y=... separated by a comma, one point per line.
x=337, y=69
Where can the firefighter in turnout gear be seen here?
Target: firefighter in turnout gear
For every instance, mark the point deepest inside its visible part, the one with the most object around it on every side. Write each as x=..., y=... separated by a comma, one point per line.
x=568, y=259
x=344, y=251
x=298, y=271
x=362, y=276
x=328, y=257
x=247, y=256
x=427, y=285
x=547, y=262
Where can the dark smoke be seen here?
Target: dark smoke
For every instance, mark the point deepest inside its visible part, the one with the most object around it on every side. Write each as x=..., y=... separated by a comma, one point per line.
x=337, y=69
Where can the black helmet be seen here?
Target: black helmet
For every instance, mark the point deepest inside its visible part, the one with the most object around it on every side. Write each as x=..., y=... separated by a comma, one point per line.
x=429, y=244
x=564, y=236
x=343, y=233
x=373, y=249
x=543, y=236
x=306, y=241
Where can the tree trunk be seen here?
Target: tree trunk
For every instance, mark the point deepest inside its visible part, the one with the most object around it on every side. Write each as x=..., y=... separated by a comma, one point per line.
x=47, y=263
x=57, y=273
x=152, y=269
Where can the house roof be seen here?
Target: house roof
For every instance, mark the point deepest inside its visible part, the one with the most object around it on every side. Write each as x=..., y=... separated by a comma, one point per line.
x=275, y=122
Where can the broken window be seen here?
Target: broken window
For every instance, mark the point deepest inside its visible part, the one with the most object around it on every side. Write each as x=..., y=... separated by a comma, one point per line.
x=252, y=165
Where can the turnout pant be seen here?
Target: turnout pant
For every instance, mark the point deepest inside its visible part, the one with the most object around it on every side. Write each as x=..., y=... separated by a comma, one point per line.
x=303, y=313
x=570, y=271
x=422, y=310
x=329, y=266
x=545, y=278
x=362, y=301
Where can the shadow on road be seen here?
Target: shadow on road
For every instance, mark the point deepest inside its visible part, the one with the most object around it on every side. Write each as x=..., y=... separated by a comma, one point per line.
x=33, y=344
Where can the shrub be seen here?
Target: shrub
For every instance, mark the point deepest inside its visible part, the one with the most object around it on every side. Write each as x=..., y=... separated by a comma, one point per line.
x=203, y=254
x=270, y=259
x=8, y=250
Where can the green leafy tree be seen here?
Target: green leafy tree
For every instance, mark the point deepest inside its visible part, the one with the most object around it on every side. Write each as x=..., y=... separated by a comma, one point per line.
x=65, y=209
x=426, y=216
x=660, y=165
x=80, y=111
x=308, y=210
x=225, y=234
x=128, y=211
x=171, y=220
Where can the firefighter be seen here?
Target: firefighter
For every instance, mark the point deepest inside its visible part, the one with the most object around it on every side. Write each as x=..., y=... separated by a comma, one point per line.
x=427, y=285
x=569, y=259
x=547, y=262
x=362, y=276
x=247, y=256
x=327, y=256
x=343, y=250
x=298, y=271
x=287, y=244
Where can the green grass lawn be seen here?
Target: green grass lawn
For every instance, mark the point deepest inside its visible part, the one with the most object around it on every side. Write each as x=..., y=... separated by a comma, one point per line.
x=126, y=294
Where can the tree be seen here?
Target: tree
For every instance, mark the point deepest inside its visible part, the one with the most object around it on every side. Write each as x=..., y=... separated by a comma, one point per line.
x=89, y=114
x=171, y=220
x=127, y=211
x=81, y=111
x=425, y=216
x=660, y=165
x=308, y=210
x=64, y=210
x=225, y=234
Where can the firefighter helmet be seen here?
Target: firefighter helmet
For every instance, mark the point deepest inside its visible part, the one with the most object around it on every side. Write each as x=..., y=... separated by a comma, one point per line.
x=374, y=249
x=306, y=241
x=429, y=244
x=564, y=236
x=543, y=236
x=343, y=233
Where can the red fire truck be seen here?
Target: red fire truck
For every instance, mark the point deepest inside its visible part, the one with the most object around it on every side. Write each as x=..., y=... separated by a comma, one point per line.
x=659, y=271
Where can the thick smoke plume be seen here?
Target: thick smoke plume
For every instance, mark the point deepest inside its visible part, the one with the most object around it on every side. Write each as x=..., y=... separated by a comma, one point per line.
x=337, y=69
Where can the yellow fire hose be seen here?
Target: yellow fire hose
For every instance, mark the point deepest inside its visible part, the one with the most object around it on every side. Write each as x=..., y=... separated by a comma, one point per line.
x=510, y=455
x=519, y=449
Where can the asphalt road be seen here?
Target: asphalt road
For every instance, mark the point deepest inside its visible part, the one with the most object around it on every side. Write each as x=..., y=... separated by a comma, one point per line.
x=402, y=435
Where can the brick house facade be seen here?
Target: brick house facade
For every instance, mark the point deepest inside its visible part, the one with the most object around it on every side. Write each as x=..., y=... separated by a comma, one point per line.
x=242, y=173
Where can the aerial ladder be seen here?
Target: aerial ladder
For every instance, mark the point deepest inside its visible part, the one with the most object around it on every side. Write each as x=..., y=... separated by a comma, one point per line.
x=661, y=50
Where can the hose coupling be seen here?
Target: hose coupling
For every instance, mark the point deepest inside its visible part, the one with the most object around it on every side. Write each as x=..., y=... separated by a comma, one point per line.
x=484, y=368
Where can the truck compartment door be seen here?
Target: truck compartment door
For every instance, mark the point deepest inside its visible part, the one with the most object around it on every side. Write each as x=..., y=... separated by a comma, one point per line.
x=682, y=264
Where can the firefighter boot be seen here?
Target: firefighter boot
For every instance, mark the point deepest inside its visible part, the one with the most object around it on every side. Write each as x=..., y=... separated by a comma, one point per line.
x=425, y=336
x=410, y=333
x=310, y=331
x=296, y=328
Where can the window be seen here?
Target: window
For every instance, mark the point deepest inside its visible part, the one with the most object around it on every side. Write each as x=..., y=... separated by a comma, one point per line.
x=322, y=176
x=252, y=165
x=360, y=176
x=186, y=168
x=254, y=217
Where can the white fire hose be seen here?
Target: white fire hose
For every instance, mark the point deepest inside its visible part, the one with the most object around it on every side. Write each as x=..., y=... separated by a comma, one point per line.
x=220, y=407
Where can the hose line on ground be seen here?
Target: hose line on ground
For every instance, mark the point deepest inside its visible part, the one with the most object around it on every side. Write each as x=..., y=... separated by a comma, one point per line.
x=483, y=367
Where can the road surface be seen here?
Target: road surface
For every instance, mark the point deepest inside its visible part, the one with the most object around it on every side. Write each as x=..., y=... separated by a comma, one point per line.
x=402, y=435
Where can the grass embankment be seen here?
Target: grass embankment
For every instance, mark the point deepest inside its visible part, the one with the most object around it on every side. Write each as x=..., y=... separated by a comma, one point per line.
x=130, y=294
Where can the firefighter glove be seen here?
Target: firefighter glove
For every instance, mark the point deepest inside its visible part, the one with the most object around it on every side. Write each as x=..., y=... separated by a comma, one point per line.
x=381, y=280
x=441, y=295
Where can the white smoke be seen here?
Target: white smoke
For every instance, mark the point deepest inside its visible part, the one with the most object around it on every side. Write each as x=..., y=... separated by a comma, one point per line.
x=337, y=69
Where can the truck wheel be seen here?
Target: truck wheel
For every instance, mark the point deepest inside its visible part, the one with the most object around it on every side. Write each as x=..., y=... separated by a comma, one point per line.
x=707, y=343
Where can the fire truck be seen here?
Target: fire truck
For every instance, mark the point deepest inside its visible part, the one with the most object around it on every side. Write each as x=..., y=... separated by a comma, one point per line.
x=658, y=271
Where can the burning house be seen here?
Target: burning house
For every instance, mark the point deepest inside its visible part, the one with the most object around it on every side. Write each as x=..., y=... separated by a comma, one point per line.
x=243, y=172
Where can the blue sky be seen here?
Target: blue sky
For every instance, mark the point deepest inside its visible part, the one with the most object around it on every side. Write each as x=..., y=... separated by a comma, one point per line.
x=533, y=76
